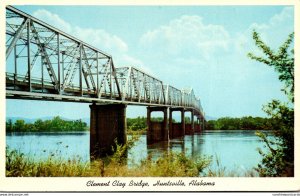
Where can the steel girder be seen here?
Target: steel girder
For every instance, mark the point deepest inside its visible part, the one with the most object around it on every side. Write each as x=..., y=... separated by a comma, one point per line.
x=46, y=59
x=43, y=62
x=139, y=86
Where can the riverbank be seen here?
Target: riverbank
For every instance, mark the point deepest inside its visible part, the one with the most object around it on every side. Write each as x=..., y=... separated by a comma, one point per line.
x=167, y=165
x=138, y=132
x=234, y=150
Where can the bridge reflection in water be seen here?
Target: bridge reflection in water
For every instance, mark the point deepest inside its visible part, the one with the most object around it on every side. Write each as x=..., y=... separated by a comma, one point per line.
x=45, y=63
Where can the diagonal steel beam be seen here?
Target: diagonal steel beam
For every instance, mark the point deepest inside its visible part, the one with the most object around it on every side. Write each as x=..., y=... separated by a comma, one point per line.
x=39, y=51
x=125, y=90
x=37, y=21
x=70, y=68
x=88, y=71
x=148, y=89
x=46, y=57
x=16, y=37
x=114, y=74
x=135, y=88
x=104, y=77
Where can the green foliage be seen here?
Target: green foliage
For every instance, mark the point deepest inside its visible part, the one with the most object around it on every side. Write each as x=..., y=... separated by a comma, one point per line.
x=9, y=125
x=173, y=164
x=137, y=124
x=56, y=124
x=244, y=123
x=18, y=165
x=279, y=160
x=120, y=151
x=157, y=119
x=282, y=61
x=187, y=119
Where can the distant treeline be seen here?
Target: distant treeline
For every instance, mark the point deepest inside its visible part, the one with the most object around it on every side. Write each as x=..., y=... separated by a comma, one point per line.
x=140, y=123
x=137, y=124
x=244, y=123
x=226, y=123
x=56, y=125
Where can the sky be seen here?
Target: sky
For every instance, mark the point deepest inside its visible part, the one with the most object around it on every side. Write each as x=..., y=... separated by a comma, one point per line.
x=203, y=47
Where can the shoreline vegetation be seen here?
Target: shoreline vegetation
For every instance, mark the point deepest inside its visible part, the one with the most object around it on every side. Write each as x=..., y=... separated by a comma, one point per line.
x=169, y=164
x=243, y=123
x=57, y=124
x=139, y=125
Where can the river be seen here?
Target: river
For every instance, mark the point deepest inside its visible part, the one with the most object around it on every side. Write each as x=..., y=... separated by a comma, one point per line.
x=235, y=150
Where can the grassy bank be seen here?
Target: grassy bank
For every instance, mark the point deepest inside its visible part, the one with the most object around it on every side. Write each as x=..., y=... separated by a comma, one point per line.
x=139, y=132
x=172, y=164
x=168, y=165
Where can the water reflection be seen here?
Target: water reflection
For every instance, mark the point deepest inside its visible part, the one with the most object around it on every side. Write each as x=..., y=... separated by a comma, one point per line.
x=234, y=149
x=189, y=144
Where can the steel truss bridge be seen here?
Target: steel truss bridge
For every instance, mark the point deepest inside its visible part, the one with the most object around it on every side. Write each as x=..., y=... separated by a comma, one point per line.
x=45, y=63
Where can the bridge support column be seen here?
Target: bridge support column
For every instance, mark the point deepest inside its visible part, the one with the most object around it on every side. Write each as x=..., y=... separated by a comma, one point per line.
x=176, y=129
x=189, y=127
x=157, y=131
x=197, y=127
x=203, y=124
x=107, y=124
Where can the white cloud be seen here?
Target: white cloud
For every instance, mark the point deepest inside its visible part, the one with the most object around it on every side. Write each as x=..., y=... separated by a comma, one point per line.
x=285, y=15
x=101, y=39
x=273, y=33
x=98, y=38
x=189, y=52
x=187, y=36
x=131, y=61
x=53, y=19
x=283, y=18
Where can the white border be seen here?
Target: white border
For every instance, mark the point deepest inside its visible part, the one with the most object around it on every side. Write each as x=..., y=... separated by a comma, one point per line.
x=79, y=183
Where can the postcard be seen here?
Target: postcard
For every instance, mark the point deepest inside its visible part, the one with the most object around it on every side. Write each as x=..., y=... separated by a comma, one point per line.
x=149, y=97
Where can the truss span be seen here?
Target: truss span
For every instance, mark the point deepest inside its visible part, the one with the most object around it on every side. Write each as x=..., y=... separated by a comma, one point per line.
x=43, y=62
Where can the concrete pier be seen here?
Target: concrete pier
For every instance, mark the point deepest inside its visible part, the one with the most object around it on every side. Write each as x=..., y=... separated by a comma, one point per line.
x=202, y=122
x=189, y=127
x=176, y=129
x=107, y=125
x=197, y=126
x=157, y=131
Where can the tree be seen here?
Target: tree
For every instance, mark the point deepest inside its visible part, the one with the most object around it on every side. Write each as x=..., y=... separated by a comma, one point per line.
x=19, y=126
x=243, y=123
x=9, y=126
x=279, y=160
x=57, y=124
x=282, y=61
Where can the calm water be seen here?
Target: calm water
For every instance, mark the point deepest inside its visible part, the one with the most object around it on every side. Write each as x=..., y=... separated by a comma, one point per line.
x=236, y=150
